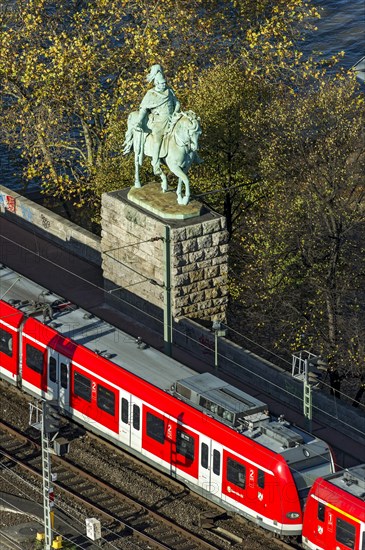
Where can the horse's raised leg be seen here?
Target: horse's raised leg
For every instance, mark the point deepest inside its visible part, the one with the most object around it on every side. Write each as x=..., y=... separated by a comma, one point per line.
x=183, y=179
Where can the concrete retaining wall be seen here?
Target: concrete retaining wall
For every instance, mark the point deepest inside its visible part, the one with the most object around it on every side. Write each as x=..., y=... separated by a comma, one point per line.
x=50, y=225
x=256, y=371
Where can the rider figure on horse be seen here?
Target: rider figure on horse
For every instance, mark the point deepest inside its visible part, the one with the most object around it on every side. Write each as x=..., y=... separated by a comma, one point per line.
x=157, y=110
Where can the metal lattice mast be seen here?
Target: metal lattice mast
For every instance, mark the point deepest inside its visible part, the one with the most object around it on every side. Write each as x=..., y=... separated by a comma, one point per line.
x=47, y=488
x=307, y=396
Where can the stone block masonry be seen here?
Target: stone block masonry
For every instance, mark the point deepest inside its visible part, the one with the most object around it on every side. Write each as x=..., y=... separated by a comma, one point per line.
x=133, y=247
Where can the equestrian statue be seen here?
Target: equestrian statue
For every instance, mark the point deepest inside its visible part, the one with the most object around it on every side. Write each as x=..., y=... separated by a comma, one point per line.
x=162, y=131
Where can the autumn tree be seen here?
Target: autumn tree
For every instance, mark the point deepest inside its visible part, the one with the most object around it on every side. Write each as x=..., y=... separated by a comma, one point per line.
x=71, y=71
x=59, y=69
x=68, y=69
x=263, y=59
x=304, y=248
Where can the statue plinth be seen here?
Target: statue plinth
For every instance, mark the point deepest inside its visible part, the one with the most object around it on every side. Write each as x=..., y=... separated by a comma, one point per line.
x=135, y=257
x=154, y=200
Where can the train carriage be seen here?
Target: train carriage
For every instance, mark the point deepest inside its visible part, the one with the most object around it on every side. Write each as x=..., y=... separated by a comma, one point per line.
x=217, y=439
x=10, y=323
x=335, y=512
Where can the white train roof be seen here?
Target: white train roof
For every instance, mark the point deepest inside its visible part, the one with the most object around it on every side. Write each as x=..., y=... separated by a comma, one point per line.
x=299, y=448
x=351, y=480
x=93, y=333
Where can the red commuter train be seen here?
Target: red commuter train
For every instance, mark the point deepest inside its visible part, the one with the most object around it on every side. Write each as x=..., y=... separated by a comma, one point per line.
x=335, y=512
x=217, y=439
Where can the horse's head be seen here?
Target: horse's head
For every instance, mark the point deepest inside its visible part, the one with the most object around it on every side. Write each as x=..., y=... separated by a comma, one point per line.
x=194, y=130
x=188, y=130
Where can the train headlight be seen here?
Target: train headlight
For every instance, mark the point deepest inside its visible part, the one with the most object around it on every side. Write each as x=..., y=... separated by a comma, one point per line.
x=292, y=515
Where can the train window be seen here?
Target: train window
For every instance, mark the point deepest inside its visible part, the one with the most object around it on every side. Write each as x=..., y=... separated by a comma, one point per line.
x=320, y=511
x=82, y=386
x=34, y=359
x=185, y=444
x=6, y=342
x=52, y=366
x=105, y=400
x=345, y=533
x=64, y=376
x=136, y=417
x=204, y=459
x=261, y=479
x=125, y=410
x=155, y=428
x=216, y=462
x=236, y=473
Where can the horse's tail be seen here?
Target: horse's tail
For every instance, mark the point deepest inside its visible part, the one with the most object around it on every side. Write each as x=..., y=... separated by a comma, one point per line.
x=128, y=140
x=130, y=133
x=139, y=142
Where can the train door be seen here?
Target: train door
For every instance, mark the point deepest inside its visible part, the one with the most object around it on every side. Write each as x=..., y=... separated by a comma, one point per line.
x=210, y=467
x=59, y=378
x=130, y=431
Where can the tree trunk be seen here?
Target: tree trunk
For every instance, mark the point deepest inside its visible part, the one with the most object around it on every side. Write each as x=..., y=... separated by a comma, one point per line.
x=47, y=156
x=88, y=143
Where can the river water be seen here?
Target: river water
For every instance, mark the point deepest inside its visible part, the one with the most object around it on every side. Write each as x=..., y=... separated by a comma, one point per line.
x=341, y=27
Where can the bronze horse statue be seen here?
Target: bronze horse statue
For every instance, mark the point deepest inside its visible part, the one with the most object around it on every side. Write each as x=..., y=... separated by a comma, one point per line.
x=178, y=150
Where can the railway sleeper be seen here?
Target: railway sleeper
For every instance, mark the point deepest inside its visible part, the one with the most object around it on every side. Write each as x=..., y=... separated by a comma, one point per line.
x=207, y=520
x=227, y=536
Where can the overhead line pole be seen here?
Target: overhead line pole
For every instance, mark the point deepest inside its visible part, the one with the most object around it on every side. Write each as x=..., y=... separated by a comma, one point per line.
x=167, y=293
x=47, y=479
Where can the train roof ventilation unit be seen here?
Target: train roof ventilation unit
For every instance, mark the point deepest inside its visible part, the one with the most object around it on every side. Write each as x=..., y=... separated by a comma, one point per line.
x=355, y=476
x=280, y=432
x=221, y=400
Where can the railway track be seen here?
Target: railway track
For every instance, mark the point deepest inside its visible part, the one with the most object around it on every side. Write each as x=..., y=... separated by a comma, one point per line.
x=235, y=532
x=122, y=517
x=119, y=514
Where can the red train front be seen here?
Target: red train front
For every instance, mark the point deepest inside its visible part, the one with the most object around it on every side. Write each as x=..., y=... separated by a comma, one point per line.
x=335, y=512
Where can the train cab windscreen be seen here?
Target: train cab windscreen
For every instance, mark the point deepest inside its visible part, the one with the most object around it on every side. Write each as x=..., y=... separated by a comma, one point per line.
x=307, y=469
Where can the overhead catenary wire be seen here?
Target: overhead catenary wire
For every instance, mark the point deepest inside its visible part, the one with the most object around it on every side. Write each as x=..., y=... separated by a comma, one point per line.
x=188, y=337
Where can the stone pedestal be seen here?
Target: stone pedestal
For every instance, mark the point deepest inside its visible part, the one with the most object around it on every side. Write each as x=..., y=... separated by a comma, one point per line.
x=133, y=248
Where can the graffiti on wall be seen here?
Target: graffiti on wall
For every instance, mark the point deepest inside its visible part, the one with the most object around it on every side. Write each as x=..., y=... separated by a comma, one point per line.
x=25, y=212
x=8, y=203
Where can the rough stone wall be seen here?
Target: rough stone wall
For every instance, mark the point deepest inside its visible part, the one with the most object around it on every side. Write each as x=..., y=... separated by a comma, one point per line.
x=133, y=258
x=199, y=266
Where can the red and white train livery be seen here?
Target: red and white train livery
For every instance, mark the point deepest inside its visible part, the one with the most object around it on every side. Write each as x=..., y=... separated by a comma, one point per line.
x=216, y=438
x=335, y=512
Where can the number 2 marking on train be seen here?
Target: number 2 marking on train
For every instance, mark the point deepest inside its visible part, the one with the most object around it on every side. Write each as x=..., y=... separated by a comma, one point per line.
x=251, y=477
